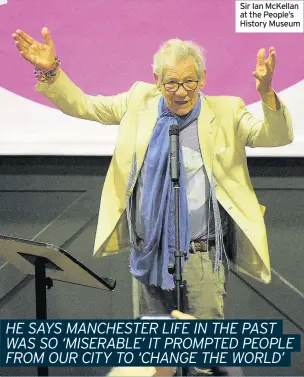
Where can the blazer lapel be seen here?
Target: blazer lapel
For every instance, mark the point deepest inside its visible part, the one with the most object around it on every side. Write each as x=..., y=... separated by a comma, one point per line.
x=207, y=132
x=146, y=122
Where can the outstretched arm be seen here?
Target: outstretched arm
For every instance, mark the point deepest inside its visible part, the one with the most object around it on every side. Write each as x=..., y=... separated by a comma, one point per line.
x=61, y=91
x=276, y=128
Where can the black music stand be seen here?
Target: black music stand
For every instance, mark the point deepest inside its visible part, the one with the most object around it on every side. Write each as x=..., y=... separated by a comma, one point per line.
x=41, y=259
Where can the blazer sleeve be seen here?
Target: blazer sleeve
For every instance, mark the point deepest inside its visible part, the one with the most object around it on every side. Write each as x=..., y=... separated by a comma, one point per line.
x=275, y=130
x=71, y=100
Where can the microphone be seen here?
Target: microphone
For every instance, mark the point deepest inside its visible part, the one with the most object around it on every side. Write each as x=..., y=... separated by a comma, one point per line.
x=174, y=152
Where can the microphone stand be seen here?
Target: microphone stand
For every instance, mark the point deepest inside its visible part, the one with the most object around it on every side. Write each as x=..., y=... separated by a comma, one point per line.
x=176, y=268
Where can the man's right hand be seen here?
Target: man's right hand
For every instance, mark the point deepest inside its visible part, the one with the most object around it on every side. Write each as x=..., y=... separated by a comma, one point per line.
x=41, y=55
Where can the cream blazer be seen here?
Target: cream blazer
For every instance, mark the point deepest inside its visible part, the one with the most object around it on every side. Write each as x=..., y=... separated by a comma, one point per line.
x=225, y=127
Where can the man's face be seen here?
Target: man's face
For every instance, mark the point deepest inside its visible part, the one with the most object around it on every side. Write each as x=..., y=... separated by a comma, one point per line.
x=183, y=100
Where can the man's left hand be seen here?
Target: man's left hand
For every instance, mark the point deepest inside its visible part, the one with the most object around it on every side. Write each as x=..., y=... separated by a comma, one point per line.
x=263, y=76
x=264, y=70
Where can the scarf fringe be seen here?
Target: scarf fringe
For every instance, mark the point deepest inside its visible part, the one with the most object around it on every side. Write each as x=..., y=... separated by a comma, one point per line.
x=220, y=250
x=129, y=203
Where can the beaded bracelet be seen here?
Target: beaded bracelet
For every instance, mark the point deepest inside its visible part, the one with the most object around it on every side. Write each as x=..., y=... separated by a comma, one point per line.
x=44, y=76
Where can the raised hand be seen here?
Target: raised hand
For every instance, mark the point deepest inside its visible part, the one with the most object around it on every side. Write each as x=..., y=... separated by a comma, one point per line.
x=41, y=55
x=264, y=70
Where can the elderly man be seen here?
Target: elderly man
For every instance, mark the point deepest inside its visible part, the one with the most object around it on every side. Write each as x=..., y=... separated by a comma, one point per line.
x=221, y=218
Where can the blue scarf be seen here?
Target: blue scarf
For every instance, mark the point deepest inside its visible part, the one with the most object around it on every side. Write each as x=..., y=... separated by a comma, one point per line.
x=149, y=263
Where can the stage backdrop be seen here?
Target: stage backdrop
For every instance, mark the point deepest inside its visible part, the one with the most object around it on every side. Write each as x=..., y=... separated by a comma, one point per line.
x=105, y=46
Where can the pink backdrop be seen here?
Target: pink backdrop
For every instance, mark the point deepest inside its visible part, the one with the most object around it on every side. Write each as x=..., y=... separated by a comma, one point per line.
x=107, y=45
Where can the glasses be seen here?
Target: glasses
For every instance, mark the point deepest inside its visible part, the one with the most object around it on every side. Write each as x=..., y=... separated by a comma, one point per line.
x=188, y=85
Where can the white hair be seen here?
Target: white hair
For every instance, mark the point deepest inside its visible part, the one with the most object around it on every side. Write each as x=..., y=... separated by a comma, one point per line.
x=178, y=50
